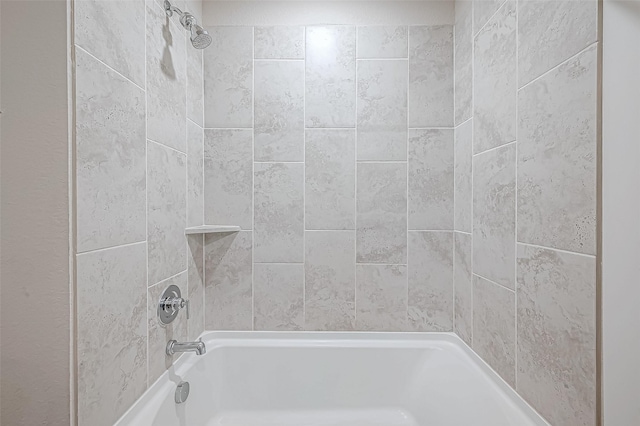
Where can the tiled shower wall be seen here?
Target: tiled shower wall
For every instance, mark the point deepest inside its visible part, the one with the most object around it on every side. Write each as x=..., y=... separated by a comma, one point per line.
x=332, y=147
x=139, y=139
x=526, y=95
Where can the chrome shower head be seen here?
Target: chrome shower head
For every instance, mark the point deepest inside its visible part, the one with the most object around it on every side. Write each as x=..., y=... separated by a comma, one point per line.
x=200, y=38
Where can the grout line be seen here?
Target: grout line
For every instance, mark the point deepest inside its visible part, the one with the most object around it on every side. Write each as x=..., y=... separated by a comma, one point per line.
x=406, y=188
x=495, y=148
x=453, y=246
x=515, y=231
x=78, y=47
x=278, y=60
x=164, y=280
x=382, y=59
x=355, y=192
x=472, y=113
x=462, y=232
x=81, y=253
x=167, y=146
x=304, y=188
x=253, y=171
x=432, y=128
x=227, y=128
x=146, y=199
x=488, y=20
x=279, y=162
x=493, y=282
x=556, y=250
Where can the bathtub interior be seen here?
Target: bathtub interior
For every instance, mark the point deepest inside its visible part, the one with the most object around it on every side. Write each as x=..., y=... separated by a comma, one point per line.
x=255, y=379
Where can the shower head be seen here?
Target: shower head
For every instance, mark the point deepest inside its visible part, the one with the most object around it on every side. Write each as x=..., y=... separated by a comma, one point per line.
x=200, y=38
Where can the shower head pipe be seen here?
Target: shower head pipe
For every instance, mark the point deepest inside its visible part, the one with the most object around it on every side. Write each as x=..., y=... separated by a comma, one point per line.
x=200, y=38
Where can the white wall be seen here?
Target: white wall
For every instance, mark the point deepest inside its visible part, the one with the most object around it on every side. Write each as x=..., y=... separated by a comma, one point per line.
x=621, y=213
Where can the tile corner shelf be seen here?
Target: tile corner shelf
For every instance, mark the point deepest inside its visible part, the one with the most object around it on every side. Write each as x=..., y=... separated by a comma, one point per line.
x=211, y=229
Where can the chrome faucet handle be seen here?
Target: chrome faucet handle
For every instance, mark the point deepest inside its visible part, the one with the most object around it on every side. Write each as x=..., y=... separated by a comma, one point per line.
x=170, y=303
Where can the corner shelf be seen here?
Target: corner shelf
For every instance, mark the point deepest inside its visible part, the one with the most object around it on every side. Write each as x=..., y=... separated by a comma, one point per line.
x=211, y=229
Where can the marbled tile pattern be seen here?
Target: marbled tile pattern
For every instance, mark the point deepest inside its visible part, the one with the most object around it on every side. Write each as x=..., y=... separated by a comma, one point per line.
x=195, y=82
x=382, y=110
x=463, y=176
x=551, y=32
x=195, y=178
x=381, y=297
x=110, y=157
x=330, y=179
x=330, y=280
x=463, y=74
x=495, y=81
x=228, y=77
x=382, y=42
x=430, y=179
x=463, y=286
x=112, y=341
x=431, y=76
x=279, y=42
x=166, y=80
x=381, y=235
x=483, y=10
x=557, y=334
x=228, y=177
x=557, y=157
x=494, y=185
x=430, y=302
x=278, y=212
x=228, y=288
x=195, y=268
x=116, y=38
x=158, y=333
x=494, y=329
x=330, y=73
x=166, y=212
x=278, y=300
x=279, y=111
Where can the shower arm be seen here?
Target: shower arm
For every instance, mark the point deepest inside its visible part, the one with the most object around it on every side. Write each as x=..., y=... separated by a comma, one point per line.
x=170, y=9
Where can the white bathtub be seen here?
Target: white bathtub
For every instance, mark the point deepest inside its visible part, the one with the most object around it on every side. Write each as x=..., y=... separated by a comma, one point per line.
x=287, y=379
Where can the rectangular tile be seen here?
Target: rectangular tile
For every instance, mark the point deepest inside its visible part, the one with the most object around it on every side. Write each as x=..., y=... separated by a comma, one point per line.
x=166, y=212
x=228, y=77
x=494, y=185
x=431, y=179
x=195, y=82
x=195, y=268
x=330, y=73
x=279, y=212
x=382, y=42
x=557, y=157
x=112, y=337
x=494, y=329
x=279, y=42
x=381, y=297
x=228, y=286
x=463, y=61
x=381, y=234
x=382, y=110
x=110, y=149
x=195, y=175
x=279, y=111
x=278, y=297
x=557, y=334
x=463, y=287
x=483, y=10
x=430, y=300
x=228, y=177
x=330, y=281
x=431, y=76
x=166, y=80
x=552, y=32
x=494, y=84
x=463, y=176
x=330, y=174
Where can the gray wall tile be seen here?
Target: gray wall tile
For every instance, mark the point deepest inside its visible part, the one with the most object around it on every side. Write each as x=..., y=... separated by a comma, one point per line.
x=431, y=179
x=463, y=176
x=279, y=42
x=382, y=42
x=463, y=286
x=494, y=329
x=195, y=175
x=228, y=287
x=382, y=110
x=279, y=111
x=228, y=77
x=330, y=174
x=195, y=268
x=557, y=157
x=381, y=297
x=430, y=304
x=166, y=212
x=431, y=76
x=557, y=334
x=110, y=167
x=463, y=62
x=112, y=337
x=278, y=297
x=330, y=73
x=228, y=177
x=195, y=83
x=381, y=234
x=494, y=185
x=279, y=212
x=330, y=280
x=495, y=81
x=483, y=10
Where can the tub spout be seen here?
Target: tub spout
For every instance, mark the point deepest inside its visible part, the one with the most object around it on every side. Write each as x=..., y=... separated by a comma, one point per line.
x=173, y=347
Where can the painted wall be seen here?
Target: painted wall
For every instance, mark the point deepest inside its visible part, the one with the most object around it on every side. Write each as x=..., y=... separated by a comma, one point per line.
x=139, y=120
x=35, y=344
x=621, y=213
x=526, y=158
